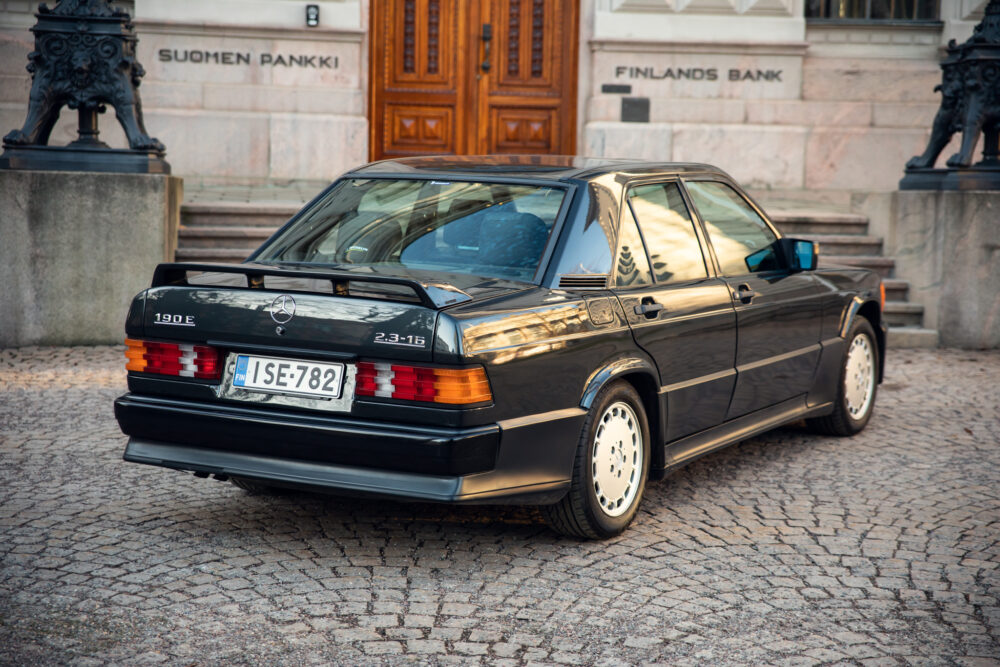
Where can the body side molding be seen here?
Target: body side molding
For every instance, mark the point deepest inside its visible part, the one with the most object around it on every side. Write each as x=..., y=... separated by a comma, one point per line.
x=689, y=448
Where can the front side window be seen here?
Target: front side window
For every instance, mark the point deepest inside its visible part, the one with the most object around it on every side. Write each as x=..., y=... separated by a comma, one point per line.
x=742, y=241
x=669, y=232
x=875, y=10
x=489, y=229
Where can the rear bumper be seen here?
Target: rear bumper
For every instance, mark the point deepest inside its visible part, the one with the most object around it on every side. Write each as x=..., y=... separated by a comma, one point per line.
x=309, y=437
x=316, y=476
x=527, y=460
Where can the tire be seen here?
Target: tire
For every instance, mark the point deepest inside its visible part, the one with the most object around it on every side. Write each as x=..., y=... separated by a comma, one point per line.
x=602, y=500
x=858, y=384
x=254, y=487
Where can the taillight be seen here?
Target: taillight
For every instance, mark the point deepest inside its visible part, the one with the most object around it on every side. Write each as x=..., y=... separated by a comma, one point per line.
x=180, y=359
x=454, y=386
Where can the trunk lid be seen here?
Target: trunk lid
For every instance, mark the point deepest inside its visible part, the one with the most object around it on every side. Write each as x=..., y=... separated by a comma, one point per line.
x=282, y=310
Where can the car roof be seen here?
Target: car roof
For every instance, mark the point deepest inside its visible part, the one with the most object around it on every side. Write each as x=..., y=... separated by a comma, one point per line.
x=536, y=167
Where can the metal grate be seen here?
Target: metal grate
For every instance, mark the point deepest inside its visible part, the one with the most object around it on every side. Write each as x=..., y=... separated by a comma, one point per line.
x=874, y=10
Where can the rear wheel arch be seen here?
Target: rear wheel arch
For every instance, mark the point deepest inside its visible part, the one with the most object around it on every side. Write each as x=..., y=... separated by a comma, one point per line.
x=610, y=468
x=642, y=375
x=648, y=389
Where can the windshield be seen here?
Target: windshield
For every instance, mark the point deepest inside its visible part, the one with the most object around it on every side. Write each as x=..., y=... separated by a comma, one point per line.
x=489, y=229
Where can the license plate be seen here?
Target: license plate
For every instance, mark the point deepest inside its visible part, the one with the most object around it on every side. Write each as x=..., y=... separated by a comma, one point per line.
x=288, y=376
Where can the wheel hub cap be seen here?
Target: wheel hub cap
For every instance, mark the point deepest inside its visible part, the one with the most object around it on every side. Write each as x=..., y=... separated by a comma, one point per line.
x=617, y=460
x=859, y=376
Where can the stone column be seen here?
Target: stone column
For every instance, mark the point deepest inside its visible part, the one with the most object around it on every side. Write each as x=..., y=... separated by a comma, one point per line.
x=76, y=247
x=948, y=248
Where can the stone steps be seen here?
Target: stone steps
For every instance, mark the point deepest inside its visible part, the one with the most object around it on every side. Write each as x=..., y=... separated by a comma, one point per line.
x=228, y=231
x=846, y=244
x=880, y=265
x=795, y=223
x=225, y=255
x=900, y=337
x=903, y=314
x=844, y=241
x=237, y=214
x=896, y=289
x=223, y=236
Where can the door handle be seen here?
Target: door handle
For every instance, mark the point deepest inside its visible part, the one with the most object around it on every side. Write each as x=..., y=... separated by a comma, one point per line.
x=744, y=293
x=487, y=40
x=648, y=308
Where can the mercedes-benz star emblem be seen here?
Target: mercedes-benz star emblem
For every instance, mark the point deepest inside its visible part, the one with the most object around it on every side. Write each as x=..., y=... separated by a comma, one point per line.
x=282, y=309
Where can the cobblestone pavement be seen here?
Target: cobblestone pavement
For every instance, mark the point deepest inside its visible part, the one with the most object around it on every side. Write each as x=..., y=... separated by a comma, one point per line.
x=789, y=548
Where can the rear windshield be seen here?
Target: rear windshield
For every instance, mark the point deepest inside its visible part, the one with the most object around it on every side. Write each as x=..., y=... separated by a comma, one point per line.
x=489, y=229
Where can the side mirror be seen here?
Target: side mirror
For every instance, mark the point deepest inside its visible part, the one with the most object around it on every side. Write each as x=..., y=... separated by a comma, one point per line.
x=800, y=255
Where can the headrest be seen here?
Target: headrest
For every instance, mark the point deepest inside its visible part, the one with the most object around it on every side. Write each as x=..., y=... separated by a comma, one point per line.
x=509, y=238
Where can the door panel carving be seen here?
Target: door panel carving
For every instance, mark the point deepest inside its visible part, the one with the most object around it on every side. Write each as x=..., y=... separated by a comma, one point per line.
x=473, y=76
x=523, y=130
x=421, y=51
x=531, y=33
x=420, y=128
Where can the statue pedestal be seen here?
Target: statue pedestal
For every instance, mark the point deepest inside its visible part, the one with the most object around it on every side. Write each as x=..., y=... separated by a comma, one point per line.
x=76, y=247
x=978, y=177
x=78, y=158
x=947, y=245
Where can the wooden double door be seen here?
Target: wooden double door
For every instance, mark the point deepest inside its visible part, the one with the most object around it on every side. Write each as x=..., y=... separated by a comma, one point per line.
x=468, y=77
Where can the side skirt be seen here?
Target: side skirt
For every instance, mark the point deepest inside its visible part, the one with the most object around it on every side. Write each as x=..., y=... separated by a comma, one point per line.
x=684, y=451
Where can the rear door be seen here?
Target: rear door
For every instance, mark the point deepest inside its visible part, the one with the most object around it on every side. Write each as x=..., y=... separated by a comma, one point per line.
x=681, y=315
x=778, y=312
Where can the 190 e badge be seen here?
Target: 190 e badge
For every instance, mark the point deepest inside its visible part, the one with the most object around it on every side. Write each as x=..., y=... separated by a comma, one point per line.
x=174, y=320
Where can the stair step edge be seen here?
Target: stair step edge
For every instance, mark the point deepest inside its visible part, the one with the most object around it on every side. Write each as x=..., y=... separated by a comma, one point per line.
x=223, y=231
x=843, y=238
x=912, y=337
x=242, y=253
x=793, y=215
x=903, y=307
x=239, y=207
x=858, y=259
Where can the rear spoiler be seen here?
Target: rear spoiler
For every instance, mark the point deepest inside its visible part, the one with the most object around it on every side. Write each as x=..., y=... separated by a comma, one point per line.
x=315, y=281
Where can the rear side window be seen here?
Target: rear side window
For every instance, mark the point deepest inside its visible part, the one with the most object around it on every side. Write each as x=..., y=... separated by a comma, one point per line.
x=632, y=266
x=669, y=232
x=742, y=241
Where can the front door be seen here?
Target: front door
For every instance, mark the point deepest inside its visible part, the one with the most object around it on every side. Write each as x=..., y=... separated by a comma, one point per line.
x=465, y=77
x=778, y=312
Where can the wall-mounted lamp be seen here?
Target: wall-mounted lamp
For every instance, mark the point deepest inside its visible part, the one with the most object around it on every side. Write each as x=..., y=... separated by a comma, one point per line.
x=312, y=16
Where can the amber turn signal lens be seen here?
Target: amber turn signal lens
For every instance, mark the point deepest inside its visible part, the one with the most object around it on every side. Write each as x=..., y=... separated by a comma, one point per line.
x=135, y=352
x=459, y=386
x=881, y=291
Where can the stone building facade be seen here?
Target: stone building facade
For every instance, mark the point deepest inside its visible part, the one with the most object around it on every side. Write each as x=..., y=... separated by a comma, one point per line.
x=243, y=91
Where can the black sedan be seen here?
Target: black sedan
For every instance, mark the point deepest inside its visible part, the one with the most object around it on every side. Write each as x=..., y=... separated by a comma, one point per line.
x=539, y=330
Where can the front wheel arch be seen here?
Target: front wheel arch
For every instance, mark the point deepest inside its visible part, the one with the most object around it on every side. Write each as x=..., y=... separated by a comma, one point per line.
x=871, y=311
x=842, y=421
